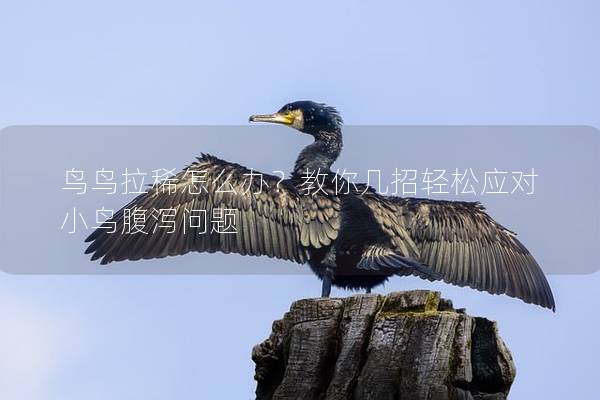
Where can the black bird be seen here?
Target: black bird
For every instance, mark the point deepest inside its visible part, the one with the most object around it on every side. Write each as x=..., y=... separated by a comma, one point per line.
x=355, y=238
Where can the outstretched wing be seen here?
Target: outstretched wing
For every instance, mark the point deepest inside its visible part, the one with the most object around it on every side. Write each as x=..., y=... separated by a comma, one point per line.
x=468, y=248
x=371, y=230
x=256, y=215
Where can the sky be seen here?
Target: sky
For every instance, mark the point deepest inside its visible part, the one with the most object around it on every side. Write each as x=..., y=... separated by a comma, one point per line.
x=188, y=63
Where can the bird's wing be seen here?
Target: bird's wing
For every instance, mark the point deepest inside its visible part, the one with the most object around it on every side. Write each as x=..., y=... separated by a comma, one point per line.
x=386, y=218
x=321, y=218
x=267, y=217
x=468, y=248
x=372, y=228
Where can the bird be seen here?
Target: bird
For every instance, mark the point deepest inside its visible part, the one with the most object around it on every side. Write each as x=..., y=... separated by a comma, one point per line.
x=354, y=239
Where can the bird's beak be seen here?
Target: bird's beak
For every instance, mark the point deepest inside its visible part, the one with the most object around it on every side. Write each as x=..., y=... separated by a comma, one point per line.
x=276, y=118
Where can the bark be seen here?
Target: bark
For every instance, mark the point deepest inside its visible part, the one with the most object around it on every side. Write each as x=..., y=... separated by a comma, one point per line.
x=406, y=346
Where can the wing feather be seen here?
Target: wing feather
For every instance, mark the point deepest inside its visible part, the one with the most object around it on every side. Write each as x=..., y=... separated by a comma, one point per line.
x=467, y=247
x=268, y=217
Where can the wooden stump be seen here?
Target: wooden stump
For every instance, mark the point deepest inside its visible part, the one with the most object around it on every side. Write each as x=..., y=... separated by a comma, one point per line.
x=406, y=345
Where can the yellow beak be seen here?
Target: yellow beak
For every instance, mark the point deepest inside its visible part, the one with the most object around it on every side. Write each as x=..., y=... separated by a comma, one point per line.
x=276, y=118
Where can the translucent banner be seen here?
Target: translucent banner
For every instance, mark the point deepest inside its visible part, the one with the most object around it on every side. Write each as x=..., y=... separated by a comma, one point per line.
x=59, y=183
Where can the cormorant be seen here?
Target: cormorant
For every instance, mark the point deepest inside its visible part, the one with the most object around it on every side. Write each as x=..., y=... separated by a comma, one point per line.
x=356, y=239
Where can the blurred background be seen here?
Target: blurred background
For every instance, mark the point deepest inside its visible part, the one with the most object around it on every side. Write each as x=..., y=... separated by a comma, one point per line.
x=188, y=63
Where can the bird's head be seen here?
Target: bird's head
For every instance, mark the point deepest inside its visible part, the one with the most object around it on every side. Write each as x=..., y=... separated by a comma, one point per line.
x=305, y=116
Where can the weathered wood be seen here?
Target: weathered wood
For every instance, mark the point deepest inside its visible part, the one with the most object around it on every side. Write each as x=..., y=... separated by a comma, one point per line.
x=406, y=346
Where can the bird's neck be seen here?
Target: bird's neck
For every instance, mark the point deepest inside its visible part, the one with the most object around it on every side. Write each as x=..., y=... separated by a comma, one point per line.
x=320, y=154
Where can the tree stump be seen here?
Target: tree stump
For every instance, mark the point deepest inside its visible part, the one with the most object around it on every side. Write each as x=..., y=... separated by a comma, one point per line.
x=406, y=345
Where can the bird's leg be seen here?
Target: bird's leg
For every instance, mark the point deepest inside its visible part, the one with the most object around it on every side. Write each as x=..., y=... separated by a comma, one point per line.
x=326, y=289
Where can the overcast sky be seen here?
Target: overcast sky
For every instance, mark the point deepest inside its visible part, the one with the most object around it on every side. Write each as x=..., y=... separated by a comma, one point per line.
x=397, y=63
